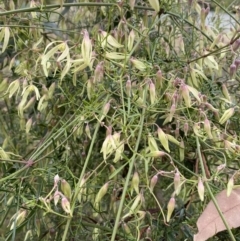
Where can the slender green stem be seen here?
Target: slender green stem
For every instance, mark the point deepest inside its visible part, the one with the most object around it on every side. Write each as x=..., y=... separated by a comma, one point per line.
x=159, y=205
x=79, y=182
x=123, y=102
x=77, y=189
x=41, y=8
x=210, y=191
x=131, y=165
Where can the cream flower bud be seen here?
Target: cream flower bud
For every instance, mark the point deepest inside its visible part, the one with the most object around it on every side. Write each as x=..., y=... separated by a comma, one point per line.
x=155, y=5
x=227, y=115
x=185, y=128
x=86, y=48
x=106, y=147
x=112, y=169
x=163, y=139
x=225, y=92
x=172, y=111
x=131, y=38
x=153, y=182
x=168, y=97
x=229, y=146
x=196, y=128
x=107, y=40
x=152, y=143
x=11, y=5
x=138, y=64
x=66, y=205
x=115, y=140
x=56, y=179
x=128, y=88
x=33, y=88
x=51, y=90
x=185, y=95
x=88, y=132
x=230, y=186
x=173, y=140
x=148, y=232
x=19, y=217
x=44, y=90
x=156, y=154
x=237, y=63
x=170, y=208
x=232, y=71
x=135, y=182
x=56, y=197
x=136, y=203
x=200, y=189
x=28, y=125
x=66, y=189
x=4, y=85
x=115, y=56
x=13, y=87
x=152, y=92
x=126, y=228
x=132, y=4
x=10, y=200
x=207, y=128
x=207, y=10
x=99, y=72
x=106, y=108
x=90, y=88
x=30, y=103
x=177, y=183
x=159, y=79
x=210, y=107
x=101, y=193
x=236, y=45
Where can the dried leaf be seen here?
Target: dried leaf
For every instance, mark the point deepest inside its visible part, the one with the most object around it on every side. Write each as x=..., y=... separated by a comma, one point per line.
x=210, y=223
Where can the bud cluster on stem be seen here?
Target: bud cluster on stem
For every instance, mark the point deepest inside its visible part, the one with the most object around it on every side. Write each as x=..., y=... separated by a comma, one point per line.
x=65, y=195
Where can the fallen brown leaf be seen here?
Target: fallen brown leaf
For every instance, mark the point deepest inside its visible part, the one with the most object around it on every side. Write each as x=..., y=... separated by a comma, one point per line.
x=210, y=223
